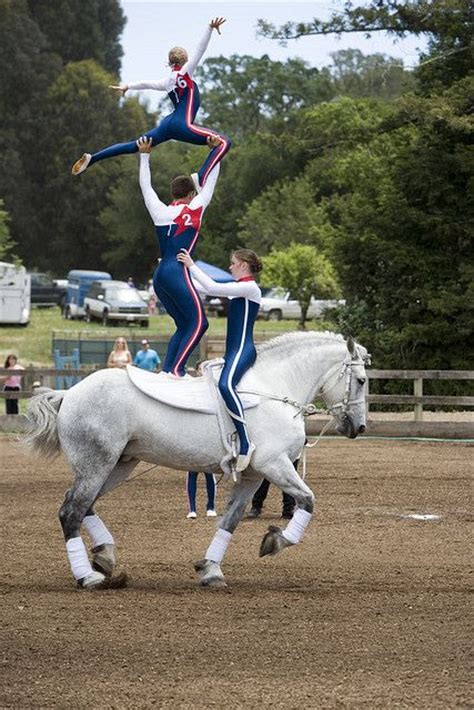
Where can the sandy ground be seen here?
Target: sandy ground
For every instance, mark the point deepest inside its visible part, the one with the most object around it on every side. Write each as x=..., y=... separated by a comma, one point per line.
x=370, y=611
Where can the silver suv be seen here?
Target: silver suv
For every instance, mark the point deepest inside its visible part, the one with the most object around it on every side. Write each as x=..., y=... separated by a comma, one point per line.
x=115, y=301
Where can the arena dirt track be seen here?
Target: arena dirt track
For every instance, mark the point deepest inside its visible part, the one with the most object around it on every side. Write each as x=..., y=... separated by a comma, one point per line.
x=371, y=610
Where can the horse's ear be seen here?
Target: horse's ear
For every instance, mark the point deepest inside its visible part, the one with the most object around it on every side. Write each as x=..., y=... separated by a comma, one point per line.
x=351, y=346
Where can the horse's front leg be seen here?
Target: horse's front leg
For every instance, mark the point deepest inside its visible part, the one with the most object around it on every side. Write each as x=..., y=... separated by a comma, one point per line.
x=283, y=474
x=209, y=569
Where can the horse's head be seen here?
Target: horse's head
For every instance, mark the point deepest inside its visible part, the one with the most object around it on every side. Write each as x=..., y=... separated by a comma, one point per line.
x=344, y=391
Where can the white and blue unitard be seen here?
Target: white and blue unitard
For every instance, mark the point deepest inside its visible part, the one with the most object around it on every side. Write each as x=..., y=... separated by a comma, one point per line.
x=177, y=227
x=245, y=297
x=178, y=125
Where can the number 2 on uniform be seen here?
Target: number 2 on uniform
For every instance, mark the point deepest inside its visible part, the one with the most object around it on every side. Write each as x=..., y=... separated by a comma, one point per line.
x=188, y=222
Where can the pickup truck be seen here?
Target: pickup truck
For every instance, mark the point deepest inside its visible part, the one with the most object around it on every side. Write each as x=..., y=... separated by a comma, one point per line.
x=113, y=301
x=278, y=304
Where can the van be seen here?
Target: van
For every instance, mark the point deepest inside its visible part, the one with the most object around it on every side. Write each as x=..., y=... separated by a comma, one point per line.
x=79, y=282
x=15, y=290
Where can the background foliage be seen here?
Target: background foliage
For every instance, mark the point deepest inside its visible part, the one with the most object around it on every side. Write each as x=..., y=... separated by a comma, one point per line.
x=364, y=162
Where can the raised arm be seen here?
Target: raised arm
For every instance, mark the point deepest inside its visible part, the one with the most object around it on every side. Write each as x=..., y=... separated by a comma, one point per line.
x=205, y=196
x=232, y=289
x=153, y=204
x=158, y=85
x=191, y=64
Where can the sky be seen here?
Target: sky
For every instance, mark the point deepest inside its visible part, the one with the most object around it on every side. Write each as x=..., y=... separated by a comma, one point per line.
x=155, y=26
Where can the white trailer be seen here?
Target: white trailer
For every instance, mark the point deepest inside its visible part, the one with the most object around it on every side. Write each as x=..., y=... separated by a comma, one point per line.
x=15, y=290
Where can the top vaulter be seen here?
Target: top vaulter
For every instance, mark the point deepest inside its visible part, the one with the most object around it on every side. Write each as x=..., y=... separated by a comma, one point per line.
x=178, y=125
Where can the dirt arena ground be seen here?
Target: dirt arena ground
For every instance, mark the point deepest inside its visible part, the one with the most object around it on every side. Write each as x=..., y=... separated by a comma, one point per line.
x=370, y=611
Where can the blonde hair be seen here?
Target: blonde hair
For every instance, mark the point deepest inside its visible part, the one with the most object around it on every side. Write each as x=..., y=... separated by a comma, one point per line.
x=249, y=257
x=125, y=344
x=177, y=55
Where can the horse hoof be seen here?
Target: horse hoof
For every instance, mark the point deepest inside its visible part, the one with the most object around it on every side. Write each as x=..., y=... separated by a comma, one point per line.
x=104, y=559
x=273, y=541
x=213, y=583
x=94, y=580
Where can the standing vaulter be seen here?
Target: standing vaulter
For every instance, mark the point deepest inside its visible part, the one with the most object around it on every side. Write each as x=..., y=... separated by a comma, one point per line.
x=178, y=125
x=177, y=227
x=245, y=297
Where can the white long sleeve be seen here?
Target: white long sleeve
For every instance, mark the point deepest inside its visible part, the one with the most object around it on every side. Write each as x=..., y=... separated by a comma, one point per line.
x=191, y=64
x=153, y=204
x=205, y=196
x=232, y=289
x=166, y=84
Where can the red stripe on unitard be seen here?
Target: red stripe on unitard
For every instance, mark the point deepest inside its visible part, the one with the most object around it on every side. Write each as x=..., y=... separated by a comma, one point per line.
x=197, y=330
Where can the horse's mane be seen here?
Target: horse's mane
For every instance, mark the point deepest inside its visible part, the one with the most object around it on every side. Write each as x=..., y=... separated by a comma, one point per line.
x=289, y=340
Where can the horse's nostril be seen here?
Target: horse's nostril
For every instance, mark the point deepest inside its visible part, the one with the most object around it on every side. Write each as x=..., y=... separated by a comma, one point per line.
x=361, y=429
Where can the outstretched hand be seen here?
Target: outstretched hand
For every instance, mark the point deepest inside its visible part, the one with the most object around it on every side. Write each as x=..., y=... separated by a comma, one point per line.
x=216, y=24
x=121, y=88
x=144, y=144
x=184, y=258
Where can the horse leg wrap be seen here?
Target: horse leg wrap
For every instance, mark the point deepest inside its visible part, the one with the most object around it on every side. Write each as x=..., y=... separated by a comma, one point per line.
x=78, y=559
x=97, y=531
x=295, y=529
x=218, y=546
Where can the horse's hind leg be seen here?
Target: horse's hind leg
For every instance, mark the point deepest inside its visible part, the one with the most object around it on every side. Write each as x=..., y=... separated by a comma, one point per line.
x=103, y=545
x=209, y=569
x=97, y=465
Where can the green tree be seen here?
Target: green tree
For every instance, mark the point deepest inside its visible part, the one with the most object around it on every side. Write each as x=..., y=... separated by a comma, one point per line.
x=401, y=213
x=243, y=94
x=302, y=270
x=285, y=212
x=446, y=23
x=82, y=29
x=374, y=75
x=6, y=243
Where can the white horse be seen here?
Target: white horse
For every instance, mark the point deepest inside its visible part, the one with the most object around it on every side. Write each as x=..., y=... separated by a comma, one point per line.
x=105, y=426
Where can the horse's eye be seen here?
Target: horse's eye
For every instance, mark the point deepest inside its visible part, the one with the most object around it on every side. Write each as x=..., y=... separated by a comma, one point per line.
x=361, y=380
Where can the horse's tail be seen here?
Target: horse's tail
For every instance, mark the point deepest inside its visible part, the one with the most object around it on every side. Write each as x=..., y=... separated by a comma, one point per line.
x=42, y=433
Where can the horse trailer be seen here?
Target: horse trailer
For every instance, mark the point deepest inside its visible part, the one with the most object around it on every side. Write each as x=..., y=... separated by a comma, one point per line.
x=15, y=290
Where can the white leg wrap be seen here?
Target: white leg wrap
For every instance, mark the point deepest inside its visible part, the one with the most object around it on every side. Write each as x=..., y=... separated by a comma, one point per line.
x=217, y=548
x=295, y=529
x=97, y=531
x=78, y=559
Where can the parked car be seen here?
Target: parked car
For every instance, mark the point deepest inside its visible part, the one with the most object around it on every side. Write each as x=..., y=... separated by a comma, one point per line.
x=45, y=292
x=115, y=301
x=79, y=283
x=278, y=303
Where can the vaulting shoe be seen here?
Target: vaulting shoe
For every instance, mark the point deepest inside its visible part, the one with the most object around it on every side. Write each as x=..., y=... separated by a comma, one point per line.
x=211, y=514
x=243, y=460
x=195, y=179
x=81, y=164
x=191, y=515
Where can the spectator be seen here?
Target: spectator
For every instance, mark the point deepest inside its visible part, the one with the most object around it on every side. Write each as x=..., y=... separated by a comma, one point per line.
x=147, y=358
x=12, y=383
x=151, y=298
x=120, y=355
x=191, y=486
x=130, y=282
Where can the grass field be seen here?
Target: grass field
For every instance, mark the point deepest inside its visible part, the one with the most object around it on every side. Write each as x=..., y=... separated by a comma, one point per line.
x=33, y=344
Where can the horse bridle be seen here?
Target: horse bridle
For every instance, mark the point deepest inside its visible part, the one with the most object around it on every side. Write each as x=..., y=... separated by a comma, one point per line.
x=346, y=372
x=309, y=409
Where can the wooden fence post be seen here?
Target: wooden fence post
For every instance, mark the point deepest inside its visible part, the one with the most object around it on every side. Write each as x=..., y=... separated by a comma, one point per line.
x=418, y=392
